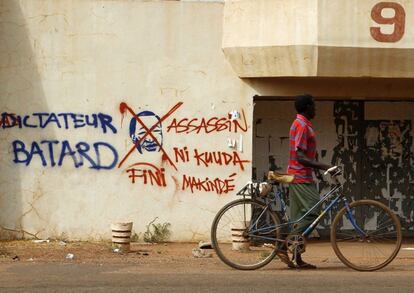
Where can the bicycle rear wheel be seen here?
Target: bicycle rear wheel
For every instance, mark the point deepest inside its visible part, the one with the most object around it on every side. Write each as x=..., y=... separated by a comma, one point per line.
x=375, y=245
x=243, y=234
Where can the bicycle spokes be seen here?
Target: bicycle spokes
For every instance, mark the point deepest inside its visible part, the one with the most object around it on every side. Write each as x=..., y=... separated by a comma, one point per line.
x=244, y=234
x=368, y=237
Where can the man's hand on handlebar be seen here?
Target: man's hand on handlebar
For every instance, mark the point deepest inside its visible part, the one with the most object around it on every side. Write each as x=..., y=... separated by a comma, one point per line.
x=332, y=170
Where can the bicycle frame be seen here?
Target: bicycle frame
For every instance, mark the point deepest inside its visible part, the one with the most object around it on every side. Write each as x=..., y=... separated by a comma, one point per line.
x=325, y=198
x=248, y=233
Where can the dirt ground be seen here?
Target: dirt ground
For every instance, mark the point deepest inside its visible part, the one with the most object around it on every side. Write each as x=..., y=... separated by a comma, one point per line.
x=318, y=252
x=92, y=252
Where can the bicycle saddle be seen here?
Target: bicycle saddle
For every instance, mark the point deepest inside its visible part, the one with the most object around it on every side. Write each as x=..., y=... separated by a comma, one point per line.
x=280, y=177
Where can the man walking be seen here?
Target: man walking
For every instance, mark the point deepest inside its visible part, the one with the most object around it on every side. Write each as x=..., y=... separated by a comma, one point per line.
x=303, y=194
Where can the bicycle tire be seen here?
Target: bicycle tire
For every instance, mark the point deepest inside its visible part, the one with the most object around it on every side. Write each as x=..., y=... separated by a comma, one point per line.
x=391, y=236
x=223, y=249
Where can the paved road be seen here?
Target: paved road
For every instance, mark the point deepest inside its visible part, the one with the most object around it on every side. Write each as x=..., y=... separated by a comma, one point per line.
x=51, y=277
x=180, y=272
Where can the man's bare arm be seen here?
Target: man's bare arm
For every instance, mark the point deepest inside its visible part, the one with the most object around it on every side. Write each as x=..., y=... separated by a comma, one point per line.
x=305, y=161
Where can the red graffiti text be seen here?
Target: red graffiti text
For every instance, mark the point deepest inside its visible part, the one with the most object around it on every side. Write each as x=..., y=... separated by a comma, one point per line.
x=208, y=125
x=219, y=158
x=9, y=120
x=216, y=185
x=148, y=173
x=181, y=155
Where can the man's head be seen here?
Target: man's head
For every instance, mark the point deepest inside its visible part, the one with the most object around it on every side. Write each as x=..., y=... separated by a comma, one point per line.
x=305, y=105
x=137, y=131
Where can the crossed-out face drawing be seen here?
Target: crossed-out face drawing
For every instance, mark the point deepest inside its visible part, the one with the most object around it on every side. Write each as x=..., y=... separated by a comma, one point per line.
x=137, y=131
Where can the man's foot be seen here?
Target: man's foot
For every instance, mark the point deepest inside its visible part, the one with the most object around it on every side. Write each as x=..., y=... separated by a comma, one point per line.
x=300, y=264
x=305, y=266
x=284, y=257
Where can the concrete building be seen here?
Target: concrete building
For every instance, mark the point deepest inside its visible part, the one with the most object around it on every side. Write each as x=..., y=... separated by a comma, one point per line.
x=207, y=86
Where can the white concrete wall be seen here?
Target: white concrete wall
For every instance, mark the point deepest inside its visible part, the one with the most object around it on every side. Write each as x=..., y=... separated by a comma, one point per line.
x=88, y=57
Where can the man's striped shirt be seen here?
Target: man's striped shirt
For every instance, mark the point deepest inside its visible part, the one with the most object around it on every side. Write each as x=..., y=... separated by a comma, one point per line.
x=302, y=136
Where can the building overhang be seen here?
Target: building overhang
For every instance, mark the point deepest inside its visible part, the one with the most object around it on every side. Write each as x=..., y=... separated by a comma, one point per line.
x=320, y=38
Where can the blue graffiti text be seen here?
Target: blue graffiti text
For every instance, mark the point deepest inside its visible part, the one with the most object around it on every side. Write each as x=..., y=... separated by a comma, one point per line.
x=98, y=156
x=58, y=120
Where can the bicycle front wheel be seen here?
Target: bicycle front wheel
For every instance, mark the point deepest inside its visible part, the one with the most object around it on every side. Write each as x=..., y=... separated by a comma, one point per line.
x=370, y=239
x=244, y=234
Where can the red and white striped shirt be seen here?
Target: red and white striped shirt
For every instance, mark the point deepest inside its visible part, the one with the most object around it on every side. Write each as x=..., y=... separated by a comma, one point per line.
x=302, y=136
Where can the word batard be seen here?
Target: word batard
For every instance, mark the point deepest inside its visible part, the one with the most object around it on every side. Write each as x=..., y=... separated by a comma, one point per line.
x=59, y=120
x=53, y=153
x=204, y=125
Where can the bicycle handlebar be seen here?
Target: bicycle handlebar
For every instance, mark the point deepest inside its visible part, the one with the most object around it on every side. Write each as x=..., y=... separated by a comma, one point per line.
x=334, y=171
x=330, y=170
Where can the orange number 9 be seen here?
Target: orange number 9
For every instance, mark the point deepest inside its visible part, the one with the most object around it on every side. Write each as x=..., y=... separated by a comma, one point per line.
x=398, y=20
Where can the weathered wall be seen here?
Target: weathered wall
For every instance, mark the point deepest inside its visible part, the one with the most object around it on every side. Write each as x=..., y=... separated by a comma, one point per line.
x=324, y=38
x=63, y=172
x=373, y=141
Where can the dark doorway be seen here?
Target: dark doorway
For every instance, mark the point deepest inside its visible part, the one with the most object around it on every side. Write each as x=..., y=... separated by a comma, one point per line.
x=372, y=140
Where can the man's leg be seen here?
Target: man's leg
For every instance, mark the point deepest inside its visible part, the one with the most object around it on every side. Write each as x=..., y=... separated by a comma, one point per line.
x=302, y=198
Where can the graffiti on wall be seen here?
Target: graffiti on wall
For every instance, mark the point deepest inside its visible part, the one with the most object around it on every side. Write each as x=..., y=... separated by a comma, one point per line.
x=55, y=153
x=146, y=131
x=58, y=120
x=136, y=132
x=147, y=134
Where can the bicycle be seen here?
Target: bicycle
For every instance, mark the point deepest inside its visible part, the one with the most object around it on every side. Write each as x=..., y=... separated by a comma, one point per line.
x=247, y=234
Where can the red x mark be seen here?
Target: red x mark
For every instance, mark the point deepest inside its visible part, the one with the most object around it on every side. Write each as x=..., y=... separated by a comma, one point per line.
x=123, y=107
